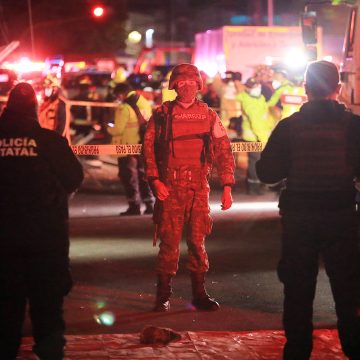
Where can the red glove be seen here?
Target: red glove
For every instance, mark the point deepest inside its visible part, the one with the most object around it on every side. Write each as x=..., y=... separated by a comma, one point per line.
x=226, y=198
x=160, y=190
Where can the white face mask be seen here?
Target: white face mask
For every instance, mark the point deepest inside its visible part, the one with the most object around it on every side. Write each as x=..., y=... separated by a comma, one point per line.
x=255, y=92
x=276, y=84
x=48, y=92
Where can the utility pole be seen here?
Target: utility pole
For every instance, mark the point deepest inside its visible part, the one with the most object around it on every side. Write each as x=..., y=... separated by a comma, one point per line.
x=270, y=12
x=3, y=26
x=31, y=28
x=255, y=10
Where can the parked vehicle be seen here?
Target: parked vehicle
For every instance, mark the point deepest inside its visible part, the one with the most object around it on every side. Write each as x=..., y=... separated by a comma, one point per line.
x=99, y=79
x=349, y=67
x=242, y=48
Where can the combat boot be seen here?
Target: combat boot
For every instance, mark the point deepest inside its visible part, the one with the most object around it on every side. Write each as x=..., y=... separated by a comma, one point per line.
x=163, y=293
x=149, y=208
x=133, y=209
x=201, y=299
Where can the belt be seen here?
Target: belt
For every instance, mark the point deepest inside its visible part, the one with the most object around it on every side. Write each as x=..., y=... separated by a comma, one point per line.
x=187, y=174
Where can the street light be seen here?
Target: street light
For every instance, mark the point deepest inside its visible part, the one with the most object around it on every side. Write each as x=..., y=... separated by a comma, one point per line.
x=270, y=13
x=149, y=38
x=134, y=37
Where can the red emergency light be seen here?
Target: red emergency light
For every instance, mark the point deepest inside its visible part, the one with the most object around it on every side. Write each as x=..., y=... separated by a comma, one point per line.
x=98, y=11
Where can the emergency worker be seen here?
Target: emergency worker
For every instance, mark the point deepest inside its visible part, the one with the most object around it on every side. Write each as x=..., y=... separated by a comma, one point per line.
x=257, y=124
x=119, y=75
x=52, y=114
x=317, y=151
x=283, y=86
x=38, y=172
x=227, y=89
x=182, y=141
x=131, y=117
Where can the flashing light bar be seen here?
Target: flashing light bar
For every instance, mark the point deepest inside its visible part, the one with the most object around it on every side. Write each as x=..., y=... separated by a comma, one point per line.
x=25, y=65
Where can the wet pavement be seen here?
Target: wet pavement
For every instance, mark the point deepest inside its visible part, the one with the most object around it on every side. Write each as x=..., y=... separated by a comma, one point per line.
x=254, y=345
x=112, y=260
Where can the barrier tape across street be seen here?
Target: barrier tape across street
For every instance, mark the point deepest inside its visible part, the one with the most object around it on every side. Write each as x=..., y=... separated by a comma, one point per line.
x=135, y=149
x=131, y=149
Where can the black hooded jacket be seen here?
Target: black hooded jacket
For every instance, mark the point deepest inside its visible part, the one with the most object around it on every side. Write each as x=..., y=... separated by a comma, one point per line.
x=37, y=169
x=317, y=151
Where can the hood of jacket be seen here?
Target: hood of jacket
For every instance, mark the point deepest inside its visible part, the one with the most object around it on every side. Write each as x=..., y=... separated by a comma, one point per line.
x=18, y=121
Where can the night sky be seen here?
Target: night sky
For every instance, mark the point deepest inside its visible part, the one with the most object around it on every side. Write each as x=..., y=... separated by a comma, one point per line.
x=67, y=26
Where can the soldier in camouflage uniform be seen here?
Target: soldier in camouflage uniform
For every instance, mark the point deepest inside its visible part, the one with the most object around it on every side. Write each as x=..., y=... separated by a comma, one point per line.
x=183, y=139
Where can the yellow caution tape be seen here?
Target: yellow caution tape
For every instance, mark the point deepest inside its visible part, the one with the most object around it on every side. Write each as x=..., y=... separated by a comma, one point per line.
x=135, y=149
x=247, y=146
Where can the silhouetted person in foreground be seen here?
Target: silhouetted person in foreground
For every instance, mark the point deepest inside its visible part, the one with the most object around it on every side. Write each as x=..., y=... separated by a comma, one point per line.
x=317, y=151
x=38, y=172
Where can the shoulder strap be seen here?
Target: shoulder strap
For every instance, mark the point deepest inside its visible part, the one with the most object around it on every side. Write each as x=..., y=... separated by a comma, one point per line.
x=132, y=101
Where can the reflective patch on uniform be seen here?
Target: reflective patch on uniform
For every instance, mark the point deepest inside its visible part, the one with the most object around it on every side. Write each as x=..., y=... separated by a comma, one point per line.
x=218, y=129
x=187, y=116
x=18, y=147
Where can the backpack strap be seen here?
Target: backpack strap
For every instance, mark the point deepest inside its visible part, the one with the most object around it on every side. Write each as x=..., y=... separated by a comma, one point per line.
x=132, y=101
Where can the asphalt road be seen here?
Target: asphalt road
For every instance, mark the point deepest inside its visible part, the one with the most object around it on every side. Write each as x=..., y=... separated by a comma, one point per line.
x=113, y=267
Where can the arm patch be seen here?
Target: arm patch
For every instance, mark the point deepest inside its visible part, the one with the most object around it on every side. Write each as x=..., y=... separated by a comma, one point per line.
x=218, y=129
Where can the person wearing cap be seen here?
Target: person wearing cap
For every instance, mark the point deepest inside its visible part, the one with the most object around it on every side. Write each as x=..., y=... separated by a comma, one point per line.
x=317, y=151
x=256, y=125
x=52, y=114
x=183, y=140
x=38, y=172
x=131, y=117
x=283, y=86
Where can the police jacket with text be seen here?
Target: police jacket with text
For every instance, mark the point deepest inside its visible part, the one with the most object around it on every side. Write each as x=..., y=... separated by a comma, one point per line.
x=38, y=170
x=317, y=151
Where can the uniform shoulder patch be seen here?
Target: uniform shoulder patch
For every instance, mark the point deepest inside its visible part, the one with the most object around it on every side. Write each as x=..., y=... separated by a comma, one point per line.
x=202, y=104
x=218, y=129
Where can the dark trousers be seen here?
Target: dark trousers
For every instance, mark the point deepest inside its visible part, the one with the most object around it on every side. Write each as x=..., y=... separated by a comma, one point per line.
x=132, y=175
x=252, y=177
x=42, y=281
x=253, y=184
x=306, y=236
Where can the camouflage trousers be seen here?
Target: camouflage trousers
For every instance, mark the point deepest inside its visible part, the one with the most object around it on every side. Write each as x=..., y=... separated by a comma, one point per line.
x=186, y=209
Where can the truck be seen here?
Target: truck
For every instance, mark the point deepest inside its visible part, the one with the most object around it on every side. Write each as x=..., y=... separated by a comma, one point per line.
x=350, y=56
x=242, y=48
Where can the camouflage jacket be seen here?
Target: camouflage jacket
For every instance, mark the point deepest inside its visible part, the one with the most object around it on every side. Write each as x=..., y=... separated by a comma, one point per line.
x=159, y=139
